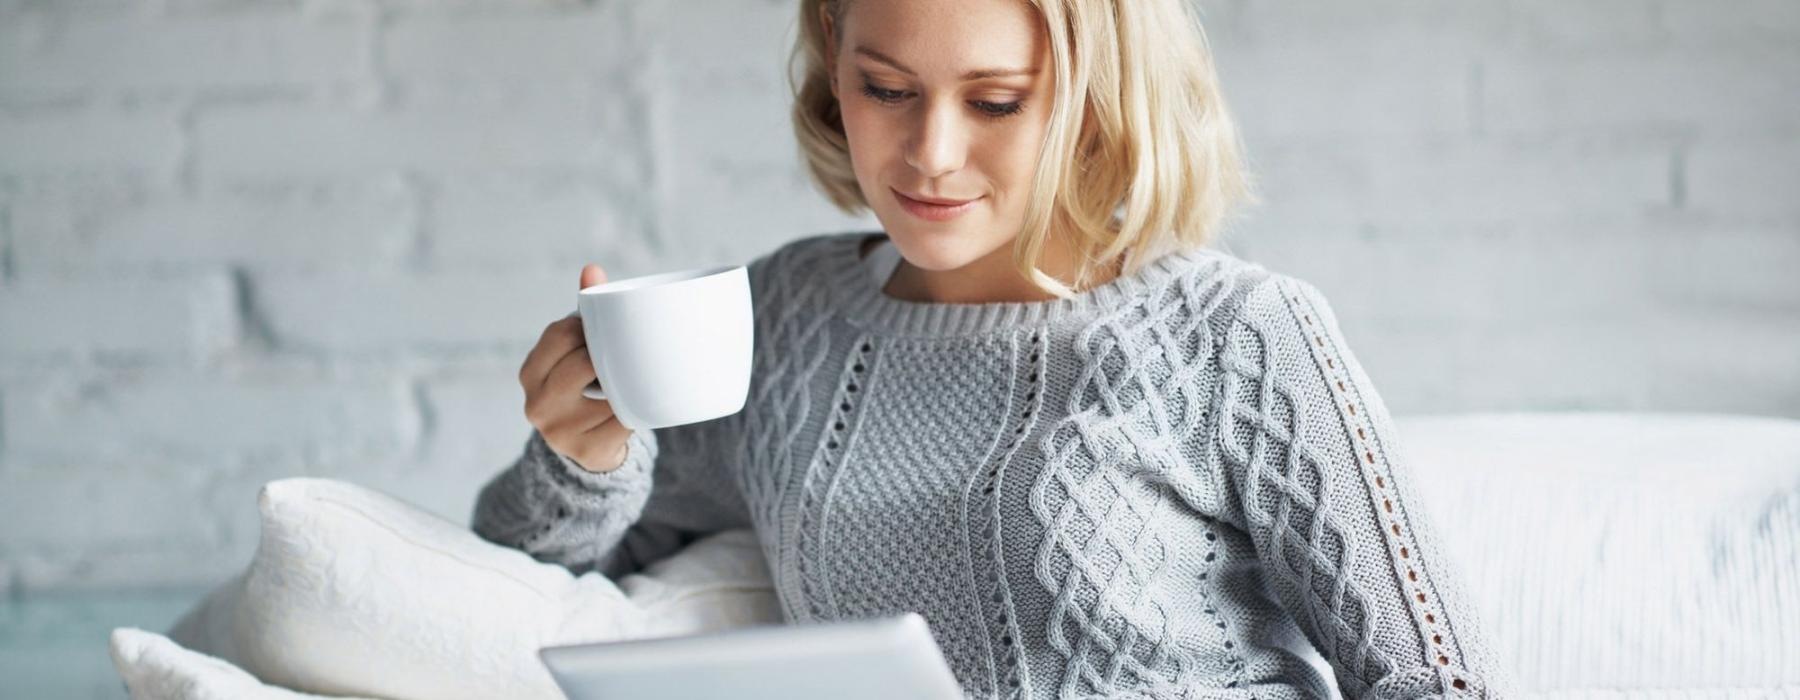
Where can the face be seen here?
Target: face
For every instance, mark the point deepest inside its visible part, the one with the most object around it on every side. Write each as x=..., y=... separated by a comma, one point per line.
x=945, y=104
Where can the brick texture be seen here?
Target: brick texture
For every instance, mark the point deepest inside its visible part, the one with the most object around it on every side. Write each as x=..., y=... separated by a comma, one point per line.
x=246, y=239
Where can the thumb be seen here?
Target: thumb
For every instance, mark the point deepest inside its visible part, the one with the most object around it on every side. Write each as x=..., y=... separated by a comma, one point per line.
x=591, y=275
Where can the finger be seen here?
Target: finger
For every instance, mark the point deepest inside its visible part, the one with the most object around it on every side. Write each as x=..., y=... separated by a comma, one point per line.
x=598, y=413
x=570, y=374
x=558, y=339
x=562, y=393
x=611, y=439
x=591, y=275
x=577, y=421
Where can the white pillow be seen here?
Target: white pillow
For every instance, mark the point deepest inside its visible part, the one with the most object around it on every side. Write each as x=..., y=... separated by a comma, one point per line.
x=353, y=592
x=1614, y=552
x=155, y=668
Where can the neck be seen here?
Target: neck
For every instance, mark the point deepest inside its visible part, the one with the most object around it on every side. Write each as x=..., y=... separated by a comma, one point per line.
x=992, y=278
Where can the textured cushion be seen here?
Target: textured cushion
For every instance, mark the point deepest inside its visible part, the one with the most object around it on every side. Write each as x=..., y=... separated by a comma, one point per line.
x=1616, y=551
x=155, y=668
x=352, y=592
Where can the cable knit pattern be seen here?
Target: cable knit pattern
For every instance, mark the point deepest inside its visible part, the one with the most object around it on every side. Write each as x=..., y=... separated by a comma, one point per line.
x=1167, y=487
x=1304, y=438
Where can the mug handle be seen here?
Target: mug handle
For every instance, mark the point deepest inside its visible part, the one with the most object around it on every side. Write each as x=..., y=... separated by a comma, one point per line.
x=592, y=390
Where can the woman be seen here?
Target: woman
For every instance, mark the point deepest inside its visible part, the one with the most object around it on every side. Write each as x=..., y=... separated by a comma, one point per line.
x=1100, y=459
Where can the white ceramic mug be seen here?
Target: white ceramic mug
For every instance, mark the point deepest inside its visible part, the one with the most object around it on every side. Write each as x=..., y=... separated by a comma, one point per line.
x=670, y=349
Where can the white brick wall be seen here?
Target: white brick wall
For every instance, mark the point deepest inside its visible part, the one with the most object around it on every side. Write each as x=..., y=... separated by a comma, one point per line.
x=246, y=239
x=126, y=315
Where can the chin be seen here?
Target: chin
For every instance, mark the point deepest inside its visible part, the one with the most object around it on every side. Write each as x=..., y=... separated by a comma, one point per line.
x=941, y=248
x=937, y=251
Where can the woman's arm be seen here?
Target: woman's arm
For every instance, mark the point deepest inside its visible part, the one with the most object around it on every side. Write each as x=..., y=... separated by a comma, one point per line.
x=620, y=521
x=1313, y=472
x=676, y=485
x=552, y=509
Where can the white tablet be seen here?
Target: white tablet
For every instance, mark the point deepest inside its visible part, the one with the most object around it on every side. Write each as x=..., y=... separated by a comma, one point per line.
x=890, y=658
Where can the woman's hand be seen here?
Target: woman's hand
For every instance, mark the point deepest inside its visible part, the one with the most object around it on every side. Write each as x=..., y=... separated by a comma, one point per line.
x=554, y=373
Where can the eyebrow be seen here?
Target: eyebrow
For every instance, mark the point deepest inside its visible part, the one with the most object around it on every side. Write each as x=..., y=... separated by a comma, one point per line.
x=971, y=75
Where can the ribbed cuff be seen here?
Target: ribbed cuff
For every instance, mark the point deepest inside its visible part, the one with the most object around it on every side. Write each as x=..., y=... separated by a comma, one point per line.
x=631, y=475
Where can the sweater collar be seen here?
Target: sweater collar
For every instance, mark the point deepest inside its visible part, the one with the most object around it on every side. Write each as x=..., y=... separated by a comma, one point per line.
x=862, y=300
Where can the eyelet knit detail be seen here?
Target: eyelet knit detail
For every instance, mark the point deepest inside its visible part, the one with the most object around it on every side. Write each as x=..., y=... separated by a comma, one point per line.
x=816, y=488
x=896, y=530
x=1234, y=658
x=1401, y=546
x=983, y=512
x=1303, y=445
x=791, y=314
x=1045, y=504
x=1107, y=543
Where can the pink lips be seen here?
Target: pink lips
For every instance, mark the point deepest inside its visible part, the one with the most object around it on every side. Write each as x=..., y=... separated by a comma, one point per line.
x=934, y=209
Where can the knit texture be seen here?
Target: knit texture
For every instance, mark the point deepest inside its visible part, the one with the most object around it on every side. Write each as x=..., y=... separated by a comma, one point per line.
x=1161, y=488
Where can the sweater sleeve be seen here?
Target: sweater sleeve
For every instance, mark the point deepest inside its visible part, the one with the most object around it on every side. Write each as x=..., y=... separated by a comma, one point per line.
x=1313, y=473
x=673, y=488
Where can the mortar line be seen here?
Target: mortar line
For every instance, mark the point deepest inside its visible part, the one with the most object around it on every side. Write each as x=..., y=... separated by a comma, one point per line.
x=1678, y=177
x=428, y=419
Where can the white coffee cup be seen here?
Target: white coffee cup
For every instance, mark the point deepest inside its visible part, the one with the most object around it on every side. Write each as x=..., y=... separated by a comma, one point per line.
x=670, y=349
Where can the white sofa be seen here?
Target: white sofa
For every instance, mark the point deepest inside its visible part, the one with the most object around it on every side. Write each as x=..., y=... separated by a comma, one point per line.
x=1610, y=555
x=1653, y=554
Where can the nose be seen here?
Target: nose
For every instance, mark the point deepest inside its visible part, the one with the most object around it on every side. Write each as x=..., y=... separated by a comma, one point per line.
x=939, y=143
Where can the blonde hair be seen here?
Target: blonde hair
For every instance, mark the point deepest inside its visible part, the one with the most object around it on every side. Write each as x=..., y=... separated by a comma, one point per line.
x=1150, y=163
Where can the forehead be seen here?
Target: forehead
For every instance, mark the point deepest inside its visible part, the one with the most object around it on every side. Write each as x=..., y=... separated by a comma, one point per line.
x=946, y=37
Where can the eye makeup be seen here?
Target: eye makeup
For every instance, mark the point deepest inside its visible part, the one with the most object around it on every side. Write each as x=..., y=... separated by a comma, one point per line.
x=990, y=109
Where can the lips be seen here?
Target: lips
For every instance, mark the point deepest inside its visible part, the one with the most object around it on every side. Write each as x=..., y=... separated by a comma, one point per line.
x=934, y=209
x=935, y=200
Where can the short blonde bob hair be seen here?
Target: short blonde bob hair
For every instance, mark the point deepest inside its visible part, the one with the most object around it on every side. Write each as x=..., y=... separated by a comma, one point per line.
x=1151, y=163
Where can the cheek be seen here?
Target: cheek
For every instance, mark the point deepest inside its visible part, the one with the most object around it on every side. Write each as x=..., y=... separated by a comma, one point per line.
x=1010, y=158
x=865, y=130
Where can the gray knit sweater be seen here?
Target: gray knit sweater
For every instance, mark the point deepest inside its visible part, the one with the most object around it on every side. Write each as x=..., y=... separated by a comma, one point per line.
x=1158, y=489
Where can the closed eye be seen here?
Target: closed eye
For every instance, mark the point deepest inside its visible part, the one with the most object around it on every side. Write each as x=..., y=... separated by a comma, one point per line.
x=882, y=94
x=995, y=110
x=1000, y=109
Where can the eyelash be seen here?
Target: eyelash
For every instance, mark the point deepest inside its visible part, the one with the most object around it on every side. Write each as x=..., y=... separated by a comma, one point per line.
x=993, y=110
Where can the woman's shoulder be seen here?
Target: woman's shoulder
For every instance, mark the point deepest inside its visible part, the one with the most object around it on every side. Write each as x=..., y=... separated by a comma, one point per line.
x=801, y=273
x=1230, y=288
x=1273, y=302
